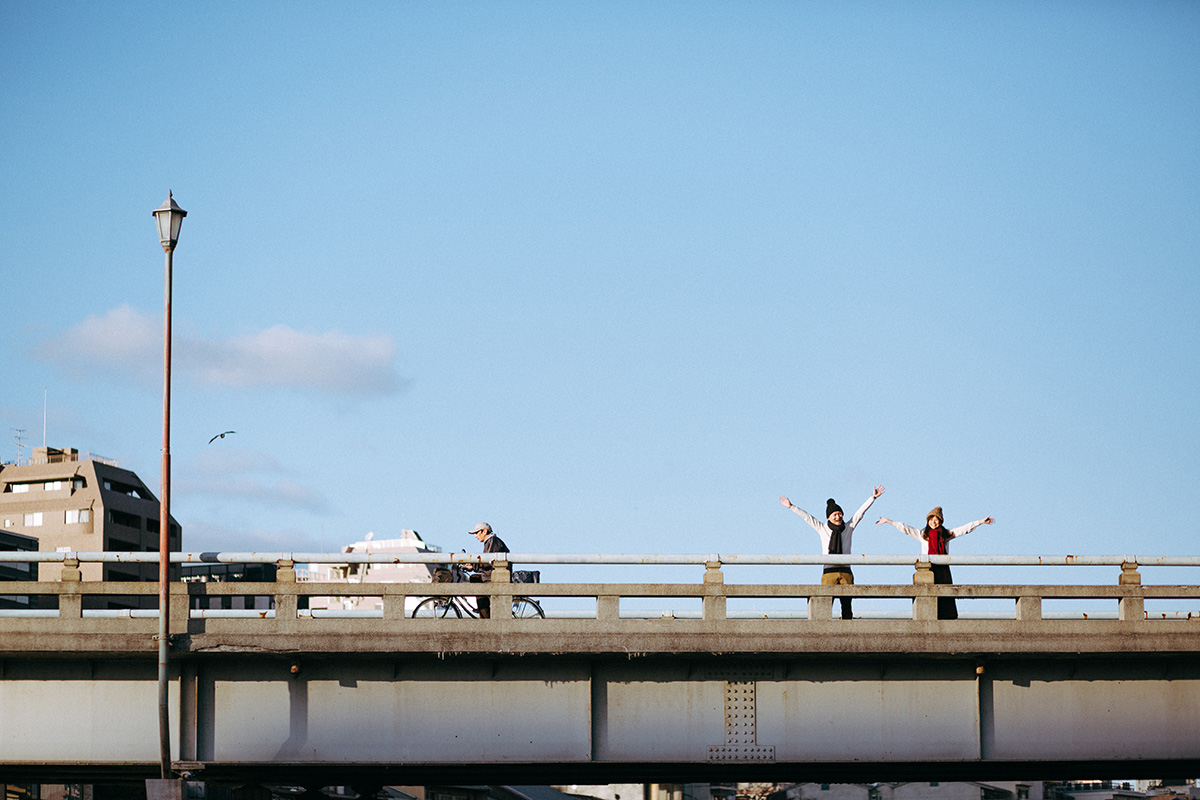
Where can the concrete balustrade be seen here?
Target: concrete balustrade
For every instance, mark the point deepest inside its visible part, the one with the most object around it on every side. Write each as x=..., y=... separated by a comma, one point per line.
x=601, y=616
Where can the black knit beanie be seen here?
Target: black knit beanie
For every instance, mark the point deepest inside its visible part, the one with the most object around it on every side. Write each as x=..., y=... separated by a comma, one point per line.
x=831, y=507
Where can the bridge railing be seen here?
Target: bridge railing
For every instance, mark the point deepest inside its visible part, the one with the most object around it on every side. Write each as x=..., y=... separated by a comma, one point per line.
x=285, y=599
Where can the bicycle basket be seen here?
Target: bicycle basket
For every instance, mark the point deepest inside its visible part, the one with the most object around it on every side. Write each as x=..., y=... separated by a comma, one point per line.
x=526, y=576
x=442, y=575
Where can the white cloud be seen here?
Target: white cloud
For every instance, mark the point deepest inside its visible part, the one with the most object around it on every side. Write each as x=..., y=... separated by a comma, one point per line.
x=286, y=493
x=200, y=537
x=127, y=343
x=123, y=340
x=233, y=461
x=245, y=475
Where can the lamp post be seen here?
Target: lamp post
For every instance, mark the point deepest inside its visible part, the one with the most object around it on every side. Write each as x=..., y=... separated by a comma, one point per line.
x=169, y=217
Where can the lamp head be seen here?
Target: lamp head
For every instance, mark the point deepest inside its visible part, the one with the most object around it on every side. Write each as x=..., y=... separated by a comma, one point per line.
x=169, y=217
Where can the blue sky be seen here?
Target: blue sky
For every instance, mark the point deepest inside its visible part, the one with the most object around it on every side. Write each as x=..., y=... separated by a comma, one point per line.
x=615, y=276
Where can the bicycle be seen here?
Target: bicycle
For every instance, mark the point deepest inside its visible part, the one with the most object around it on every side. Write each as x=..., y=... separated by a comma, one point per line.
x=462, y=605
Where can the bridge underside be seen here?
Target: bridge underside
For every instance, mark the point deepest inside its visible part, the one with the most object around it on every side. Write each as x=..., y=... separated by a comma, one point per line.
x=416, y=719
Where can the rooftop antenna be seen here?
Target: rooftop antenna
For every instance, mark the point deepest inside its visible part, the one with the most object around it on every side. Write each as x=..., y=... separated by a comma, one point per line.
x=20, y=446
x=45, y=398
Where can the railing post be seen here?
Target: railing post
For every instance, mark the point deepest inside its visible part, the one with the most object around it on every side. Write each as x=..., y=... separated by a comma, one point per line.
x=608, y=607
x=502, y=603
x=285, y=571
x=1131, y=608
x=820, y=607
x=70, y=601
x=181, y=608
x=286, y=606
x=1029, y=608
x=393, y=606
x=714, y=604
x=71, y=572
x=924, y=608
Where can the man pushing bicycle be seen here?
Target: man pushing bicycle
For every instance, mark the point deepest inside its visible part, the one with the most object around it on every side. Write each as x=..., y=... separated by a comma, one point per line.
x=491, y=544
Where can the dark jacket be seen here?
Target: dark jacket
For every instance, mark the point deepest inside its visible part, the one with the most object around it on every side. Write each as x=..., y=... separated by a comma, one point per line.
x=492, y=544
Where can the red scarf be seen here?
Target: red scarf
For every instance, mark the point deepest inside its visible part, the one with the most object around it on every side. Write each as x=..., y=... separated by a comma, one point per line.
x=937, y=540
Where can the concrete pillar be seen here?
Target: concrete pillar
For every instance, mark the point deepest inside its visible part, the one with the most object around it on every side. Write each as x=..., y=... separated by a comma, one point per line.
x=608, y=607
x=820, y=607
x=71, y=571
x=714, y=605
x=285, y=571
x=1131, y=608
x=1029, y=608
x=393, y=606
x=923, y=574
x=924, y=607
x=285, y=610
x=70, y=601
x=502, y=603
x=285, y=604
x=181, y=611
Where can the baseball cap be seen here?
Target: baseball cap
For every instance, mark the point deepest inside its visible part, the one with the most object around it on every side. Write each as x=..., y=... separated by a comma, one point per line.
x=482, y=526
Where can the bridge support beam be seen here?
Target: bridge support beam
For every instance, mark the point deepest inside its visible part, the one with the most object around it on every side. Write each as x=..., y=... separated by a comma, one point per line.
x=351, y=719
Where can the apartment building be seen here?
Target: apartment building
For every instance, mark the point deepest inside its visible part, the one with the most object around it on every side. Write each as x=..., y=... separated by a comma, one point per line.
x=16, y=570
x=69, y=501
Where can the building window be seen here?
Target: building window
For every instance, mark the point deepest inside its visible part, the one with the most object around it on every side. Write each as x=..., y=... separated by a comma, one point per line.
x=78, y=483
x=17, y=488
x=74, y=516
x=123, y=488
x=33, y=520
x=128, y=520
x=53, y=486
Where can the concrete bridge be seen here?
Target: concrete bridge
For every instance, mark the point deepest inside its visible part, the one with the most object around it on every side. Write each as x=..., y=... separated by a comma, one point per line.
x=599, y=691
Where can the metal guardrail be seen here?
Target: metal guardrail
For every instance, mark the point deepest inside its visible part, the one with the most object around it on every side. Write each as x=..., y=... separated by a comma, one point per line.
x=661, y=559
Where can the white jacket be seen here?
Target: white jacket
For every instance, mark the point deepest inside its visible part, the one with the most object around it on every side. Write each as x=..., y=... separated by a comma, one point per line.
x=823, y=530
x=951, y=533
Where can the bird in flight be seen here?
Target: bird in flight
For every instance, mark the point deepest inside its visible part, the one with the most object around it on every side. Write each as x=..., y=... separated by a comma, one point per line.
x=220, y=436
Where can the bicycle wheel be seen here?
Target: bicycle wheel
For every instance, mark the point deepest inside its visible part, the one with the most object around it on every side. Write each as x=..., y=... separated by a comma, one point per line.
x=526, y=608
x=436, y=607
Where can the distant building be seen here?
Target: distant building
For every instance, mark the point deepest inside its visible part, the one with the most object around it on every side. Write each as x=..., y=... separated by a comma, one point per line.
x=913, y=790
x=17, y=570
x=230, y=572
x=1172, y=789
x=409, y=542
x=608, y=791
x=73, y=502
x=1094, y=790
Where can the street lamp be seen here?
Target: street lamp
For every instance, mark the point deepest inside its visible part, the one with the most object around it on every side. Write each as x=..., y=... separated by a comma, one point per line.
x=169, y=217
